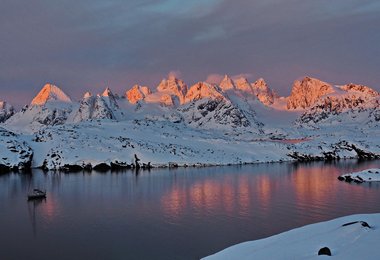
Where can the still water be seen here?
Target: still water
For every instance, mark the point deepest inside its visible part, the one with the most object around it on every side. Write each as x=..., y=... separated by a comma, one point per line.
x=171, y=214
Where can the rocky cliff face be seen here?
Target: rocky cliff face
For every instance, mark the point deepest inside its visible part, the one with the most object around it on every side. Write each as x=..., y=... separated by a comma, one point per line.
x=102, y=106
x=227, y=84
x=213, y=113
x=263, y=92
x=6, y=111
x=203, y=90
x=137, y=93
x=361, y=89
x=173, y=87
x=348, y=102
x=307, y=92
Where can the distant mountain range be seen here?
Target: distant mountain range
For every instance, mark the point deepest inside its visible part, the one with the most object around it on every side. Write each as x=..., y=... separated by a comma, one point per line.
x=231, y=122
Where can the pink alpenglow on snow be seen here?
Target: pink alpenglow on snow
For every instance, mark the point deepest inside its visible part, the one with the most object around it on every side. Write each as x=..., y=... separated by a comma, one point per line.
x=227, y=83
x=306, y=92
x=50, y=93
x=202, y=90
x=137, y=93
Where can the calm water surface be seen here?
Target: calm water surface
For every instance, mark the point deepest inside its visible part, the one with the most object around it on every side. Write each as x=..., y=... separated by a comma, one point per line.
x=171, y=214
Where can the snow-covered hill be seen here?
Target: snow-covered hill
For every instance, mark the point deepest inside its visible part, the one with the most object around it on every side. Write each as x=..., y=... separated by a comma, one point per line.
x=350, y=237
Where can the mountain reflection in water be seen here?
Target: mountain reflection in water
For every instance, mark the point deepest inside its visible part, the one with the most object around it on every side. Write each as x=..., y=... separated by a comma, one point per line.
x=185, y=213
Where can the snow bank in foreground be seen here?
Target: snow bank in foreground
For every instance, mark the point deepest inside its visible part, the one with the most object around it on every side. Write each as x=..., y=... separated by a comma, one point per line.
x=352, y=241
x=359, y=177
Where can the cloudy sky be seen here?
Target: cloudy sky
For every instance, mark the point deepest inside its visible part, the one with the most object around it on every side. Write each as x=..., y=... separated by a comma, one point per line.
x=85, y=45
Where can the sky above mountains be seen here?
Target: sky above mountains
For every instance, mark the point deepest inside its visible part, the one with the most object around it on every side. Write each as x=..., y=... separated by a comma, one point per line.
x=90, y=44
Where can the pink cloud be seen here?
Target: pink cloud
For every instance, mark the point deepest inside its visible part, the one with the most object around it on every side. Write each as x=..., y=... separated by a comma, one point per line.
x=214, y=78
x=175, y=74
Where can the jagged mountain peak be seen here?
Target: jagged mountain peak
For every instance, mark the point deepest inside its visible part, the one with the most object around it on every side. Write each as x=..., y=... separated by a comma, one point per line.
x=227, y=83
x=87, y=95
x=107, y=93
x=261, y=83
x=243, y=85
x=360, y=88
x=265, y=94
x=202, y=90
x=50, y=93
x=172, y=83
x=173, y=87
x=306, y=92
x=137, y=93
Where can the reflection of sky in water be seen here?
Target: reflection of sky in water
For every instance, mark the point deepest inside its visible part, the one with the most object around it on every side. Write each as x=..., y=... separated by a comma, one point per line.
x=176, y=214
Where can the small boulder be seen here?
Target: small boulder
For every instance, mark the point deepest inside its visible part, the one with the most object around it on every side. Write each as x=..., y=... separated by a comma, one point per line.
x=341, y=178
x=324, y=251
x=348, y=178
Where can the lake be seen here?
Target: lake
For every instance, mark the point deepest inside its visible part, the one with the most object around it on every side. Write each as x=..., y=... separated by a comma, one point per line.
x=183, y=213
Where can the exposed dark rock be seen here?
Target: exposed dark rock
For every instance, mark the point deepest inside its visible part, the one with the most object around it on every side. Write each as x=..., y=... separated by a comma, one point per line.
x=87, y=167
x=137, y=165
x=146, y=166
x=324, y=251
x=173, y=165
x=102, y=167
x=71, y=168
x=363, y=223
x=120, y=165
x=341, y=178
x=348, y=178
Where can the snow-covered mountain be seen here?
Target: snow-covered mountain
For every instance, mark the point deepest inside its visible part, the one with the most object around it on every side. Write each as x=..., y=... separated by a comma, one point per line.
x=307, y=92
x=102, y=106
x=170, y=92
x=232, y=122
x=6, y=111
x=259, y=89
x=355, y=103
x=51, y=106
x=50, y=93
x=203, y=90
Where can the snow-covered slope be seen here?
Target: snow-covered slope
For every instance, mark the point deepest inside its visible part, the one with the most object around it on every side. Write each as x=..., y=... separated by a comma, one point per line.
x=6, y=111
x=350, y=237
x=15, y=153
